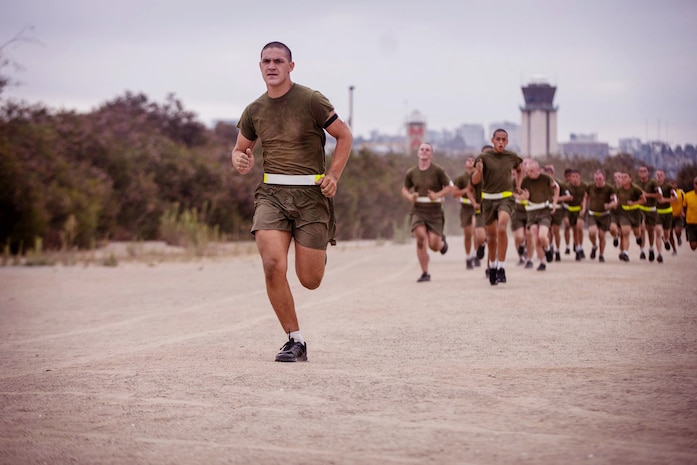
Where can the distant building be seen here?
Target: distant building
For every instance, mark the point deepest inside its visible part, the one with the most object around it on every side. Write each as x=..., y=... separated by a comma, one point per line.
x=472, y=135
x=630, y=145
x=538, y=119
x=584, y=146
x=513, y=131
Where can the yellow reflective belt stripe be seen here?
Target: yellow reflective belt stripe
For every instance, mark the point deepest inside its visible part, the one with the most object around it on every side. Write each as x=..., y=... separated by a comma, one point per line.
x=664, y=211
x=574, y=208
x=292, y=180
x=497, y=195
x=466, y=201
x=647, y=209
x=630, y=207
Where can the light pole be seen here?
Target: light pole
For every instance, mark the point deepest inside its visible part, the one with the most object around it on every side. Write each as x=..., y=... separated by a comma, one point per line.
x=350, y=118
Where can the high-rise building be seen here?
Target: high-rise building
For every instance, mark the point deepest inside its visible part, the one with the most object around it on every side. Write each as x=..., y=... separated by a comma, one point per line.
x=472, y=135
x=513, y=131
x=538, y=119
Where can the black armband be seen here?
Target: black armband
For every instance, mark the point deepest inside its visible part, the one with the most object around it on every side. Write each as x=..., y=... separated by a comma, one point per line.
x=329, y=122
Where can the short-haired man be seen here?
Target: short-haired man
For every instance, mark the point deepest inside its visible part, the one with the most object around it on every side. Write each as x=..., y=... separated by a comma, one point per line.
x=601, y=200
x=493, y=170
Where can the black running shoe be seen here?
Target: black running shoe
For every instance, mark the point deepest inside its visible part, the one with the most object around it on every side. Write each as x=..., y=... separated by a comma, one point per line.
x=492, y=276
x=425, y=277
x=444, y=249
x=601, y=259
x=557, y=256
x=659, y=259
x=477, y=261
x=638, y=241
x=652, y=256
x=642, y=256
x=292, y=352
x=541, y=267
x=549, y=255
x=567, y=251
x=667, y=245
x=480, y=251
x=593, y=251
x=624, y=257
x=470, y=265
x=529, y=264
x=578, y=256
x=500, y=275
x=616, y=242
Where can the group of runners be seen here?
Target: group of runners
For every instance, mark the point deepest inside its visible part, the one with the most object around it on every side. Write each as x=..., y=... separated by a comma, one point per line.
x=498, y=188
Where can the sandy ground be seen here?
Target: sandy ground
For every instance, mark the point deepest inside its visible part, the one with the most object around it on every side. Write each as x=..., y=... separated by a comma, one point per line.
x=585, y=363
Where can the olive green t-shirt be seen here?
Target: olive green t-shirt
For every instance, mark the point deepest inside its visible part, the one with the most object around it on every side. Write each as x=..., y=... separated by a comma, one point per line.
x=650, y=186
x=578, y=192
x=497, y=167
x=290, y=129
x=599, y=196
x=463, y=181
x=540, y=188
x=632, y=193
x=432, y=178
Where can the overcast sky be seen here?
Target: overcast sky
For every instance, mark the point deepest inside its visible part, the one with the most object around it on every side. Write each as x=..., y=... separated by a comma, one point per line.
x=623, y=68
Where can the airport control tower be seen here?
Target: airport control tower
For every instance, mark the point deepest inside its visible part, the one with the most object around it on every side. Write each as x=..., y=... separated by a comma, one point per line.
x=538, y=119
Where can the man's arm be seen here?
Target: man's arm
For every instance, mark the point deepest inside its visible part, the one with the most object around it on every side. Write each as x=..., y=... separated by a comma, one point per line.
x=344, y=140
x=242, y=157
x=477, y=173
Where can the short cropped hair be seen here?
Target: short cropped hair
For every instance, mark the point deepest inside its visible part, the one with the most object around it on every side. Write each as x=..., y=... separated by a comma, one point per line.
x=280, y=45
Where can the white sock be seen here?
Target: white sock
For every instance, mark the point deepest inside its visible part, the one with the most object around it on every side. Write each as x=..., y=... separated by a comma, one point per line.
x=296, y=336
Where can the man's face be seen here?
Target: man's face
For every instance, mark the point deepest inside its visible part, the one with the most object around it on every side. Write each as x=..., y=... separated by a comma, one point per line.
x=469, y=163
x=576, y=179
x=626, y=179
x=533, y=170
x=660, y=177
x=599, y=179
x=643, y=173
x=500, y=141
x=619, y=178
x=275, y=66
x=425, y=152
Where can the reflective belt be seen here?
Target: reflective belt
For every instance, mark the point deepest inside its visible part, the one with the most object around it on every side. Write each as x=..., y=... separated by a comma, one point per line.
x=536, y=206
x=574, y=208
x=591, y=212
x=428, y=200
x=497, y=195
x=292, y=180
x=630, y=207
x=466, y=201
x=647, y=209
x=522, y=202
x=665, y=211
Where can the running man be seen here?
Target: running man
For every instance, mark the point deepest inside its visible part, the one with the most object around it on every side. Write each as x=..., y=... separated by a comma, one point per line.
x=464, y=192
x=629, y=197
x=426, y=185
x=493, y=170
x=666, y=193
x=690, y=205
x=294, y=201
x=541, y=193
x=601, y=200
x=648, y=213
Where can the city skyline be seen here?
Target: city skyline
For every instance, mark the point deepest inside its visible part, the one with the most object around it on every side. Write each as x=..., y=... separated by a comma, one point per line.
x=621, y=67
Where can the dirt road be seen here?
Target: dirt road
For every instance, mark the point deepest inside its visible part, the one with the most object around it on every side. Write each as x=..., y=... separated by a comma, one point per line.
x=173, y=364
